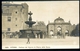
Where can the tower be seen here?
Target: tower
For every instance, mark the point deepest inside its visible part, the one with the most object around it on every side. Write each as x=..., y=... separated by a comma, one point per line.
x=14, y=16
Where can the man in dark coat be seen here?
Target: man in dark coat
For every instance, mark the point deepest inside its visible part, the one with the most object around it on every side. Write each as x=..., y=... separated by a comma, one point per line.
x=28, y=39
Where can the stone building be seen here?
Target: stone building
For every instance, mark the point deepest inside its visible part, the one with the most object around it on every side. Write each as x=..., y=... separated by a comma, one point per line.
x=59, y=24
x=14, y=16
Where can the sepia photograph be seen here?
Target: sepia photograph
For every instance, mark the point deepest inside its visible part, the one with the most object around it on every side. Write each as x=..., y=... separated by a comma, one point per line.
x=40, y=24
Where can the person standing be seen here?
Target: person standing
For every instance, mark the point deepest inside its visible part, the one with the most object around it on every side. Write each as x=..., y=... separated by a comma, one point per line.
x=51, y=32
x=28, y=39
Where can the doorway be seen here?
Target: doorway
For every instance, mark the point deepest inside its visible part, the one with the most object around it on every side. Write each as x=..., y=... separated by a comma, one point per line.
x=59, y=32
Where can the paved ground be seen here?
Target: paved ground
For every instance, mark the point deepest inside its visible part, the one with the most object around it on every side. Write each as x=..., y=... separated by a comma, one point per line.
x=53, y=42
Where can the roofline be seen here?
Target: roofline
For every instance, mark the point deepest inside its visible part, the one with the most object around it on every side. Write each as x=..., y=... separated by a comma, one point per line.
x=9, y=4
x=58, y=23
x=59, y=19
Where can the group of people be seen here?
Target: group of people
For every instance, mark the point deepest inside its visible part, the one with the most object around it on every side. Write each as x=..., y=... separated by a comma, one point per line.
x=59, y=34
x=10, y=35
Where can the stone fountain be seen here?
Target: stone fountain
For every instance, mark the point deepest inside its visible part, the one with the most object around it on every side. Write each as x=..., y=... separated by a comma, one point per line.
x=30, y=30
x=30, y=22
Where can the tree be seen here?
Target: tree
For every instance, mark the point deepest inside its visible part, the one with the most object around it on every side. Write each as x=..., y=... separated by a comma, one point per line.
x=40, y=23
x=75, y=32
x=41, y=26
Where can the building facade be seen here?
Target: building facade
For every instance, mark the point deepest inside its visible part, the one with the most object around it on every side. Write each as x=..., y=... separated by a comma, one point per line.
x=14, y=16
x=40, y=25
x=43, y=30
x=59, y=24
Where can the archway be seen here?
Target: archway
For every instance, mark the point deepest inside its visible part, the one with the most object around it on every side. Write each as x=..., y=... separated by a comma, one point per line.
x=59, y=32
x=67, y=32
x=59, y=28
x=51, y=33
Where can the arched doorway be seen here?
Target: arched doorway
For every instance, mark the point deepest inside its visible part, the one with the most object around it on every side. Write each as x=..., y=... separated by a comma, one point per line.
x=51, y=33
x=59, y=32
x=67, y=32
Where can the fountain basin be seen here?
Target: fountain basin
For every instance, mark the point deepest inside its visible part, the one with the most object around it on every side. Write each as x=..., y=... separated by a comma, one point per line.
x=31, y=33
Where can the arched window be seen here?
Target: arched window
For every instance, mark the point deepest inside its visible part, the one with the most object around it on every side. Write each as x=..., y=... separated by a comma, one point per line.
x=16, y=12
x=66, y=32
x=58, y=28
x=15, y=18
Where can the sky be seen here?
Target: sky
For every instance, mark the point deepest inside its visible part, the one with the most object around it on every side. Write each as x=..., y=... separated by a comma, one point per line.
x=50, y=10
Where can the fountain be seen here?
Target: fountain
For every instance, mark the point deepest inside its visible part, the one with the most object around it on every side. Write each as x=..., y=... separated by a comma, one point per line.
x=30, y=30
x=30, y=22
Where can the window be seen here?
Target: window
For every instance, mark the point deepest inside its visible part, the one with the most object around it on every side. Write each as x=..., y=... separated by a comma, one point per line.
x=16, y=12
x=8, y=29
x=15, y=18
x=16, y=25
x=9, y=18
